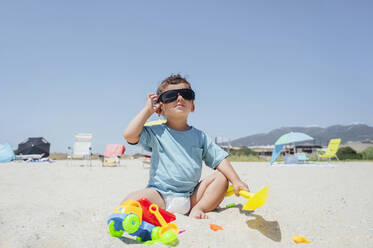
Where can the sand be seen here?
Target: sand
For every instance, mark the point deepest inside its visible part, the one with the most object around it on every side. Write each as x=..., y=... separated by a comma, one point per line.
x=55, y=205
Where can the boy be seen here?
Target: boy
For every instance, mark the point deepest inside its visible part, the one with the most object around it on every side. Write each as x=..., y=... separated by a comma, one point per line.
x=177, y=153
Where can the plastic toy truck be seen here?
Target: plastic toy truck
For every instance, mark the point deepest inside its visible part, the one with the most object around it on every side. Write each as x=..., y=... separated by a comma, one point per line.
x=145, y=220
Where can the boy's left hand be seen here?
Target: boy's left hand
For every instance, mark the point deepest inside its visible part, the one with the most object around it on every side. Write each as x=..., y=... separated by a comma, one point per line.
x=239, y=185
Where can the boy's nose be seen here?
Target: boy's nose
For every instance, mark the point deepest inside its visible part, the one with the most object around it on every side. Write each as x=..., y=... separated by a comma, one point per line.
x=180, y=97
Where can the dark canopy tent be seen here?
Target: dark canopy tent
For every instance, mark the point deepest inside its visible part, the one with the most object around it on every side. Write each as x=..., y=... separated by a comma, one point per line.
x=37, y=145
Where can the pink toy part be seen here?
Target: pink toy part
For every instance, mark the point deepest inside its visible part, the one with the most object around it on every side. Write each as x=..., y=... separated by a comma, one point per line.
x=114, y=150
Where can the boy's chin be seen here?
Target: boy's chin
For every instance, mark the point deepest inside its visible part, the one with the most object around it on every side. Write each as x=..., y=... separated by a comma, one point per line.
x=178, y=114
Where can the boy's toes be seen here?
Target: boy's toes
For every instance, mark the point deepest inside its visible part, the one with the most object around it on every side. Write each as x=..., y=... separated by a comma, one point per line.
x=198, y=214
x=204, y=216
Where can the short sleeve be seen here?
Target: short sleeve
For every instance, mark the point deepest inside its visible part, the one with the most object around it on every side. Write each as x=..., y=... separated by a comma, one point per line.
x=212, y=153
x=146, y=139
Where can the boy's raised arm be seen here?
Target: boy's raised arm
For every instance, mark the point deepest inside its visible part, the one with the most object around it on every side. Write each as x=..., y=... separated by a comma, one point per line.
x=226, y=168
x=134, y=128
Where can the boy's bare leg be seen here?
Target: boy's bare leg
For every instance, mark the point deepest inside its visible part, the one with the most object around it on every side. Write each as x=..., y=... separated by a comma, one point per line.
x=148, y=193
x=208, y=195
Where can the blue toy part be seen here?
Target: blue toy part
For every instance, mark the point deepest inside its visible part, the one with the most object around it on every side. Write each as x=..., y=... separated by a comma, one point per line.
x=144, y=231
x=113, y=232
x=115, y=226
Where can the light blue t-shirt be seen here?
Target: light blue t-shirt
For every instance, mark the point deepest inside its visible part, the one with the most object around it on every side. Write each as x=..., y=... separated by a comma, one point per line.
x=176, y=161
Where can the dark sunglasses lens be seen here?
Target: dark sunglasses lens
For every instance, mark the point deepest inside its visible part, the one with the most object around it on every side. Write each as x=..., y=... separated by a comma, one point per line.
x=172, y=95
x=169, y=96
x=187, y=94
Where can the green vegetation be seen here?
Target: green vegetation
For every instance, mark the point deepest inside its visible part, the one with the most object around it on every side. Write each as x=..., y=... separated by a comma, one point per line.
x=344, y=153
x=251, y=158
x=367, y=153
x=347, y=152
x=244, y=151
x=244, y=154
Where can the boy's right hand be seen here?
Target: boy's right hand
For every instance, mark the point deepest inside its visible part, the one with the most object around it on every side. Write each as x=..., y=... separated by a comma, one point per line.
x=151, y=104
x=239, y=185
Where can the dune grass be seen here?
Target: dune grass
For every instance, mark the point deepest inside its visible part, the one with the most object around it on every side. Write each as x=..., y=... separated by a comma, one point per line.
x=244, y=158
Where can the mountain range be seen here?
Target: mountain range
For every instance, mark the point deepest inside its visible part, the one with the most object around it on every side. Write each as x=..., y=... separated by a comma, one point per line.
x=354, y=132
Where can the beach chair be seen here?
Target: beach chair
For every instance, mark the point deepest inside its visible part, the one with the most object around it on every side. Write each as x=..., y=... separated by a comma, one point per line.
x=82, y=148
x=111, y=157
x=331, y=151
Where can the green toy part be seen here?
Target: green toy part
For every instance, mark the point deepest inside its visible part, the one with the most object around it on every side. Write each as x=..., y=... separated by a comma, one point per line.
x=155, y=233
x=113, y=232
x=168, y=238
x=131, y=223
x=230, y=205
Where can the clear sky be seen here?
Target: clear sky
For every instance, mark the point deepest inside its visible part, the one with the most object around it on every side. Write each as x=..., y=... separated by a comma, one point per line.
x=85, y=66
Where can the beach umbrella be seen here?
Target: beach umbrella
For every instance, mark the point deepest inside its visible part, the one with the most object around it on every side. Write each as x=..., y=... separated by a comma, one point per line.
x=6, y=153
x=288, y=138
x=34, y=145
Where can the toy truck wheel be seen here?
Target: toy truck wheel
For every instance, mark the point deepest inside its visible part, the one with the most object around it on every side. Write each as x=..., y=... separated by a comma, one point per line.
x=131, y=223
x=113, y=232
x=168, y=238
x=155, y=233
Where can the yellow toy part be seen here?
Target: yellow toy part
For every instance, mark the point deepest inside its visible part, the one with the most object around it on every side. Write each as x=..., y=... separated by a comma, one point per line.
x=255, y=200
x=300, y=239
x=130, y=206
x=165, y=226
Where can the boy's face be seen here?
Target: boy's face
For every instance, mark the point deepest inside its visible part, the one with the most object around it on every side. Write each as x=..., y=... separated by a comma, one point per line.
x=178, y=108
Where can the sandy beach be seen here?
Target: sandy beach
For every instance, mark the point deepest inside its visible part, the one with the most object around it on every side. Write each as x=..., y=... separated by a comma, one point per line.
x=55, y=205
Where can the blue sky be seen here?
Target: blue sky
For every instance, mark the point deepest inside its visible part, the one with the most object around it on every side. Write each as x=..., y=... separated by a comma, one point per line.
x=85, y=66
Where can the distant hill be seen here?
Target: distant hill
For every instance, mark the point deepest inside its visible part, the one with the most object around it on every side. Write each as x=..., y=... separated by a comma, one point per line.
x=355, y=132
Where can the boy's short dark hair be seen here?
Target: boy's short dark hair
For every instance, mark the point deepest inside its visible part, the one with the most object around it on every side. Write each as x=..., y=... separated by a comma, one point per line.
x=173, y=79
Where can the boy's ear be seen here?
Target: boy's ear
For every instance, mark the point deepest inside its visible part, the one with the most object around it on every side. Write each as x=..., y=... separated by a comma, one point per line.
x=159, y=109
x=193, y=107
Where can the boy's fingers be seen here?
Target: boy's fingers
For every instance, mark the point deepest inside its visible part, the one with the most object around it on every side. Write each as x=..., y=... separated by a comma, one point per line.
x=151, y=95
x=241, y=187
x=236, y=190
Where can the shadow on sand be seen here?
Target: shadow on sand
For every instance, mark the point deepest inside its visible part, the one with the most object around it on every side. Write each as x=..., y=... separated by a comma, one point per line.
x=128, y=241
x=270, y=229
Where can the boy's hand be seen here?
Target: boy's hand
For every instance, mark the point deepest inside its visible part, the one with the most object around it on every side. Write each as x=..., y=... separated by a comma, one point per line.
x=239, y=185
x=226, y=168
x=151, y=104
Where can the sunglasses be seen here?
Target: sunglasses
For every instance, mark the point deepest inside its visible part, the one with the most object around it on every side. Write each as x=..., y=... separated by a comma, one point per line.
x=172, y=95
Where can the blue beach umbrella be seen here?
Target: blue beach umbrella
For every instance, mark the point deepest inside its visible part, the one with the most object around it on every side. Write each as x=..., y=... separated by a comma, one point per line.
x=288, y=138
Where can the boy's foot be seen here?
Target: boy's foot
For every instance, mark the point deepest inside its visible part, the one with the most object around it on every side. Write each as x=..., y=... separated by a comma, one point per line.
x=198, y=214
